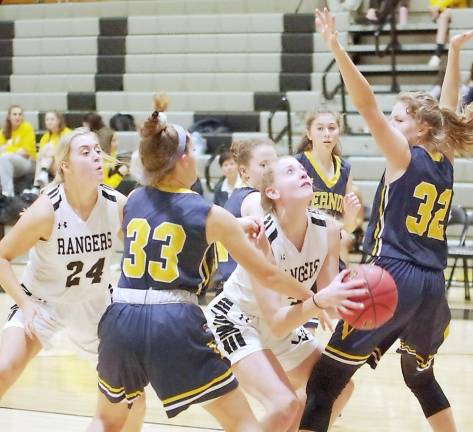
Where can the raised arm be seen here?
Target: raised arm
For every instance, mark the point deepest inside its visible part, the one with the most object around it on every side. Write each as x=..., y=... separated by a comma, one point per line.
x=452, y=79
x=391, y=142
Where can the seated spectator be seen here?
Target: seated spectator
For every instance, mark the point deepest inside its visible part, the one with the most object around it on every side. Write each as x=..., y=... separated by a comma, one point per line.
x=93, y=121
x=114, y=171
x=379, y=10
x=441, y=14
x=230, y=180
x=17, y=150
x=55, y=130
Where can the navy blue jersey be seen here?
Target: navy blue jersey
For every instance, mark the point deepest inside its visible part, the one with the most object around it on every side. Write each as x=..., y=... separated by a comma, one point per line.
x=226, y=264
x=165, y=244
x=328, y=193
x=410, y=214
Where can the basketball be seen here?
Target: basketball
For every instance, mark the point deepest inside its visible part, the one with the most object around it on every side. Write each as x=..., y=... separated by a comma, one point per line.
x=381, y=301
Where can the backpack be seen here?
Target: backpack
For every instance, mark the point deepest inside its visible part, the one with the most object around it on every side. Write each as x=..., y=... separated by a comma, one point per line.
x=209, y=125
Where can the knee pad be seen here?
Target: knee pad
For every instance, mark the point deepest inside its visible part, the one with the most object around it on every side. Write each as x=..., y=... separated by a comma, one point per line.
x=424, y=386
x=326, y=382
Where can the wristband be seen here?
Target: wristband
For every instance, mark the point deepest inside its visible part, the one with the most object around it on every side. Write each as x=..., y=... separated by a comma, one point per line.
x=315, y=303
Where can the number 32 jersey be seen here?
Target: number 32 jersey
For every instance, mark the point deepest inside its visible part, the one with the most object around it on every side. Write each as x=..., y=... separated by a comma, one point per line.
x=74, y=263
x=409, y=215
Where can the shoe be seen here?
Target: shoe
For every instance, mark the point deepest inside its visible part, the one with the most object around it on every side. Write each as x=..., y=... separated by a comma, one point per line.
x=434, y=61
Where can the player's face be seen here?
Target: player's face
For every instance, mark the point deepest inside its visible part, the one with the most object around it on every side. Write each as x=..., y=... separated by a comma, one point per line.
x=230, y=169
x=260, y=158
x=324, y=132
x=292, y=182
x=16, y=117
x=85, y=159
x=51, y=122
x=401, y=120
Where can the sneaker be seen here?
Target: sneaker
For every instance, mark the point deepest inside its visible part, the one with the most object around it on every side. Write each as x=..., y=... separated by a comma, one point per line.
x=434, y=61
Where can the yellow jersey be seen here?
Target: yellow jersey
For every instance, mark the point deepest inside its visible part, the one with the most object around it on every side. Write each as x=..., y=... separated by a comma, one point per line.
x=22, y=138
x=52, y=138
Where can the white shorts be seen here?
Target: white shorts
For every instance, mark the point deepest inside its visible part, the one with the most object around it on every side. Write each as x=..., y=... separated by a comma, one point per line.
x=78, y=321
x=239, y=334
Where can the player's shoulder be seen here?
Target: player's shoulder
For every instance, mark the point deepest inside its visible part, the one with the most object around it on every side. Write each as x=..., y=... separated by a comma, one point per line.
x=270, y=228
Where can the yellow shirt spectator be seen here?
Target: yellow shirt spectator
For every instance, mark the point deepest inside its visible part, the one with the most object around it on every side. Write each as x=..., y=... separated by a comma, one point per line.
x=53, y=138
x=22, y=138
x=444, y=4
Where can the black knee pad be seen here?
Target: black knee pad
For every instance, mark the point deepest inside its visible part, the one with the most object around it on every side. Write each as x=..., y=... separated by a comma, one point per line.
x=424, y=386
x=326, y=382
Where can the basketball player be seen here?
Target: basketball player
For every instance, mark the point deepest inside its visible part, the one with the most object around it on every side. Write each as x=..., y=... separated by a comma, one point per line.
x=71, y=233
x=319, y=153
x=260, y=330
x=251, y=156
x=154, y=331
x=406, y=236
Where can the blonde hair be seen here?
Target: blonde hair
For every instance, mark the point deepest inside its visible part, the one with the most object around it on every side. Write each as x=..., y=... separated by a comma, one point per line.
x=267, y=181
x=242, y=150
x=306, y=143
x=447, y=130
x=161, y=102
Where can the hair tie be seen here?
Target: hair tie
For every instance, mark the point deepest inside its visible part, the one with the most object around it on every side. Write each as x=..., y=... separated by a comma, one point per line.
x=182, y=139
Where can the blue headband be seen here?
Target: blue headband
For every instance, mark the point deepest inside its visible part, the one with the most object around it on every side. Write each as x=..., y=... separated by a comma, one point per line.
x=182, y=139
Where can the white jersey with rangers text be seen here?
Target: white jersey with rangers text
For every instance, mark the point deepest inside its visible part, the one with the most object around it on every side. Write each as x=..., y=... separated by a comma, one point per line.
x=303, y=265
x=73, y=265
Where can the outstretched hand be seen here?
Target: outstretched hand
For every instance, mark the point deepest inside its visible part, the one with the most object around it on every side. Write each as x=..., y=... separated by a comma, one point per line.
x=457, y=41
x=326, y=26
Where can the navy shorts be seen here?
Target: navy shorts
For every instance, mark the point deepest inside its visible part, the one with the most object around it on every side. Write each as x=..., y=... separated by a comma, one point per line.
x=420, y=321
x=168, y=345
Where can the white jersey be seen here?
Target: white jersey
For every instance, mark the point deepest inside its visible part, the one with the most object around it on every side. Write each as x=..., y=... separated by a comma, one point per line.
x=73, y=265
x=303, y=265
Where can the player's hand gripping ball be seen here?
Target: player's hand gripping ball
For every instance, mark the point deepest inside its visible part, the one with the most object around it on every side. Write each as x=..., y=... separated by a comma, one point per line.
x=380, y=302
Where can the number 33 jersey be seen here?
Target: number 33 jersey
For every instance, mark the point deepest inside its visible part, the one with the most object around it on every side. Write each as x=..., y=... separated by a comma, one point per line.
x=74, y=263
x=410, y=214
x=165, y=244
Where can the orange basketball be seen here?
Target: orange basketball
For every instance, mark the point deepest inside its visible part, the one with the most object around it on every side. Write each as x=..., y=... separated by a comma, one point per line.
x=380, y=302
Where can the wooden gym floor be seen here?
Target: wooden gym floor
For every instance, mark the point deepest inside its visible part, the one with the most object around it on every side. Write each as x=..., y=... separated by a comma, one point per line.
x=57, y=391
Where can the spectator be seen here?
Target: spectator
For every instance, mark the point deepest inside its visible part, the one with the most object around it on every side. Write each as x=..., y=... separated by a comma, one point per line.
x=441, y=14
x=468, y=95
x=379, y=10
x=17, y=149
x=230, y=180
x=55, y=130
x=114, y=171
x=93, y=121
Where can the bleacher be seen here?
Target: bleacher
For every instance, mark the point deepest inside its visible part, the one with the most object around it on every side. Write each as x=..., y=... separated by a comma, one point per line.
x=226, y=59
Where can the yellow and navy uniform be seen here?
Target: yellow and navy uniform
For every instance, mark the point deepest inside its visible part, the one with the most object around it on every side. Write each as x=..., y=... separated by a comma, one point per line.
x=328, y=192
x=174, y=254
x=406, y=236
x=165, y=342
x=226, y=264
x=410, y=214
x=22, y=138
x=52, y=138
